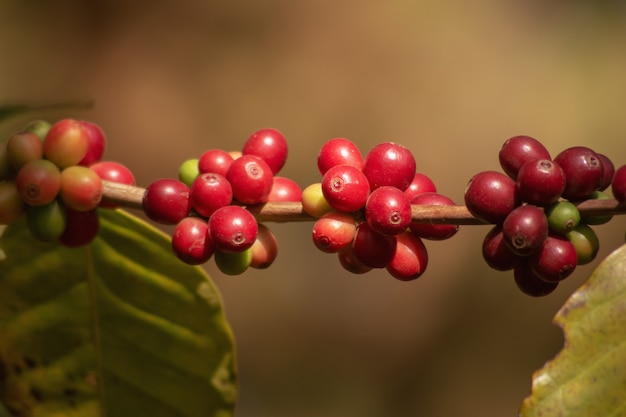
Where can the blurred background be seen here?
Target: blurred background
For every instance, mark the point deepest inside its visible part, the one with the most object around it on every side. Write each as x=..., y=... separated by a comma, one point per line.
x=451, y=80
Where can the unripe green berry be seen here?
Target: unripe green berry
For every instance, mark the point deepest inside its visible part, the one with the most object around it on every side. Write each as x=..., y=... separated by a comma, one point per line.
x=313, y=201
x=235, y=263
x=188, y=172
x=11, y=205
x=66, y=143
x=562, y=217
x=585, y=242
x=38, y=182
x=81, y=188
x=46, y=223
x=23, y=147
x=39, y=128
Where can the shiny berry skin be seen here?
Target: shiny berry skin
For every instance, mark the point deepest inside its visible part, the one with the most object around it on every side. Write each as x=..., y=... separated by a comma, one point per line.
x=519, y=150
x=39, y=182
x=233, y=263
x=338, y=151
x=410, y=258
x=23, y=147
x=388, y=210
x=540, y=182
x=530, y=283
x=81, y=227
x=191, y=241
x=188, y=171
x=232, y=229
x=490, y=196
x=113, y=172
x=583, y=172
x=429, y=230
x=46, y=223
x=166, y=201
x=608, y=170
x=81, y=188
x=555, y=260
x=496, y=252
x=525, y=229
x=39, y=128
x=66, y=143
x=313, y=201
x=251, y=179
x=421, y=184
x=97, y=143
x=269, y=145
x=350, y=263
x=371, y=248
x=264, y=249
x=209, y=192
x=562, y=217
x=585, y=242
x=618, y=185
x=333, y=231
x=389, y=164
x=216, y=161
x=284, y=190
x=11, y=205
x=345, y=188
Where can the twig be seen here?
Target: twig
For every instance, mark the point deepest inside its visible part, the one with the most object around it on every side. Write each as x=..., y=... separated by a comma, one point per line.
x=131, y=197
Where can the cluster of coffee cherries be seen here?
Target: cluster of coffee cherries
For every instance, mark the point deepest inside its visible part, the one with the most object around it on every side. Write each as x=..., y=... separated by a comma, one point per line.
x=208, y=203
x=538, y=231
x=363, y=208
x=52, y=174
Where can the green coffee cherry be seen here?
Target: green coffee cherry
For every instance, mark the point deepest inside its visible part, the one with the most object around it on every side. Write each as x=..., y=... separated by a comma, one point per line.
x=46, y=223
x=562, y=217
x=313, y=201
x=233, y=263
x=39, y=128
x=585, y=242
x=598, y=195
x=188, y=172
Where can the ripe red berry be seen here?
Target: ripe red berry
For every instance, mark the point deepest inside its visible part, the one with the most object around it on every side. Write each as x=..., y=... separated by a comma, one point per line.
x=166, y=201
x=66, y=143
x=191, y=241
x=81, y=227
x=350, y=263
x=496, y=252
x=540, y=182
x=23, y=147
x=251, y=179
x=530, y=283
x=345, y=188
x=421, y=184
x=491, y=196
x=38, y=182
x=216, y=161
x=555, y=260
x=209, y=192
x=583, y=171
x=372, y=248
x=618, y=186
x=388, y=210
x=81, y=188
x=284, y=190
x=269, y=145
x=519, y=150
x=389, y=164
x=264, y=249
x=97, y=143
x=232, y=229
x=338, y=151
x=113, y=172
x=525, y=229
x=333, y=231
x=429, y=230
x=608, y=170
x=410, y=258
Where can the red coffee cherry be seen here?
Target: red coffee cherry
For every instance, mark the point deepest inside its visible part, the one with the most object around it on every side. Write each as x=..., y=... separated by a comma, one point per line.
x=519, y=150
x=264, y=249
x=530, y=283
x=350, y=263
x=23, y=147
x=583, y=172
x=113, y=172
x=38, y=182
x=618, y=186
x=421, y=184
x=166, y=201
x=372, y=248
x=410, y=258
x=389, y=164
x=269, y=145
x=284, y=190
x=232, y=229
x=66, y=143
x=97, y=143
x=11, y=204
x=251, y=179
x=338, y=151
x=191, y=241
x=345, y=188
x=555, y=260
x=333, y=231
x=209, y=192
x=388, y=210
x=608, y=170
x=525, y=229
x=540, y=182
x=81, y=227
x=496, y=252
x=81, y=188
x=429, y=230
x=215, y=160
x=491, y=196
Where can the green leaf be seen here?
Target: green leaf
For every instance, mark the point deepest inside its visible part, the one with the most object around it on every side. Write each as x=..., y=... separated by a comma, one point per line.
x=588, y=376
x=118, y=328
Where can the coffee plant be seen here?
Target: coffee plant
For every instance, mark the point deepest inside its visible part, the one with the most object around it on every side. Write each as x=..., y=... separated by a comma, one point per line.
x=102, y=314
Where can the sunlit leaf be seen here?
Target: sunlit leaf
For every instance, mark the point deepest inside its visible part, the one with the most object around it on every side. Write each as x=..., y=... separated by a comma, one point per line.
x=588, y=376
x=119, y=328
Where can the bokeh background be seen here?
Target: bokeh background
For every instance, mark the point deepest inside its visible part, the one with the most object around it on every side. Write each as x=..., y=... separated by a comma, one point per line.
x=449, y=79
